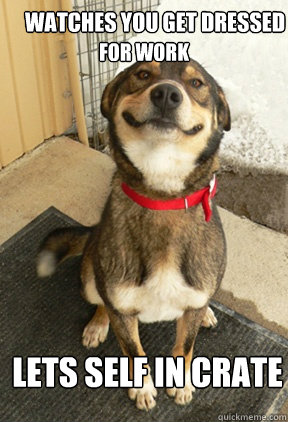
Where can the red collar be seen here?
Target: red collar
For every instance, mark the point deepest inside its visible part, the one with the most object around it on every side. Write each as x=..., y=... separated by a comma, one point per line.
x=202, y=195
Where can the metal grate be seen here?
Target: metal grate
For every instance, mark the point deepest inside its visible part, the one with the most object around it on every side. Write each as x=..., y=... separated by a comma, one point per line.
x=95, y=75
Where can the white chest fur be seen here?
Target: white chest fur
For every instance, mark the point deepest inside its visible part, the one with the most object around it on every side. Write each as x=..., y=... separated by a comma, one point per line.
x=164, y=166
x=164, y=296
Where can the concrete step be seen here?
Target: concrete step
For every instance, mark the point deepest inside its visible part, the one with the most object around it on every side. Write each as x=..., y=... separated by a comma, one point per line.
x=258, y=194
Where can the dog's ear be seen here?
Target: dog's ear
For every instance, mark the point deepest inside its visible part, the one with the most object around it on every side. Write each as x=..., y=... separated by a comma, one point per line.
x=223, y=110
x=109, y=95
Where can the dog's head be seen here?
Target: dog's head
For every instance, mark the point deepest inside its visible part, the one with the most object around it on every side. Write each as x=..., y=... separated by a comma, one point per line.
x=170, y=112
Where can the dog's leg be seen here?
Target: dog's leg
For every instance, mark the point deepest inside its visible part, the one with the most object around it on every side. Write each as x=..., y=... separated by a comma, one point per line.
x=126, y=330
x=209, y=319
x=97, y=328
x=187, y=330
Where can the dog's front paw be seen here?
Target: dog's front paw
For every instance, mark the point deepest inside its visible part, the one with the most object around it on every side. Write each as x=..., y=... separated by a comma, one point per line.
x=181, y=395
x=209, y=319
x=94, y=334
x=144, y=397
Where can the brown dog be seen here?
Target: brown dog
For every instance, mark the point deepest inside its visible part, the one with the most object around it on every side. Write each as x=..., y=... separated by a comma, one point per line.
x=165, y=122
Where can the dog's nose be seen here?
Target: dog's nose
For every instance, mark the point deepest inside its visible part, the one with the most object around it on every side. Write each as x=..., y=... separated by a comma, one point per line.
x=166, y=97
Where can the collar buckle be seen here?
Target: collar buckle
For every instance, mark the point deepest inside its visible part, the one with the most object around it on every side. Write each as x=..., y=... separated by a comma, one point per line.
x=186, y=203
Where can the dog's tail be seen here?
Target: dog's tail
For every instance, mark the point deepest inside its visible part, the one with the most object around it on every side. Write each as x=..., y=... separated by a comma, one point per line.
x=59, y=245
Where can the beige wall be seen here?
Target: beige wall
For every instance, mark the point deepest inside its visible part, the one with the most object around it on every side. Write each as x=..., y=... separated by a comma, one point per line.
x=34, y=82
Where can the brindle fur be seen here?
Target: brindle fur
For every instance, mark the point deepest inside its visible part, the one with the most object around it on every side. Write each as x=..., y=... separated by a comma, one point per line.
x=130, y=241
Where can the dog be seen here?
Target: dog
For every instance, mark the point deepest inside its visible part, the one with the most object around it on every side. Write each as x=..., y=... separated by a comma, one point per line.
x=154, y=255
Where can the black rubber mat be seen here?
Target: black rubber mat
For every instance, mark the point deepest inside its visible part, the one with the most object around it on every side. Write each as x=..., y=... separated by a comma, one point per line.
x=46, y=318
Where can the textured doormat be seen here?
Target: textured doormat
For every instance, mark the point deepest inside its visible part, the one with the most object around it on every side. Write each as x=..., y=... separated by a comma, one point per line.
x=46, y=318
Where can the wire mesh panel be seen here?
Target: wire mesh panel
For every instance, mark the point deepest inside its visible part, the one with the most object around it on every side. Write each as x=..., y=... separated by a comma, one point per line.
x=95, y=75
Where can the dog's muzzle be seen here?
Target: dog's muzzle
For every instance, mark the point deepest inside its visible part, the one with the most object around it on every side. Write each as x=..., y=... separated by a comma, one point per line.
x=166, y=98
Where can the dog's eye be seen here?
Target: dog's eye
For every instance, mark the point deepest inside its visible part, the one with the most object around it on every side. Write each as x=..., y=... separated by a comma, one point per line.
x=143, y=75
x=196, y=83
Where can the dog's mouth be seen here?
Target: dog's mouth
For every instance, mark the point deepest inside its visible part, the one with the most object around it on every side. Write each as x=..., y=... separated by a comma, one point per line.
x=159, y=123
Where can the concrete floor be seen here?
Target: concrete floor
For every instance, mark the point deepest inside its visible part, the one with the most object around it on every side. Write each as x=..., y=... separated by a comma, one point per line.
x=76, y=180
